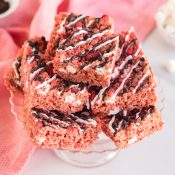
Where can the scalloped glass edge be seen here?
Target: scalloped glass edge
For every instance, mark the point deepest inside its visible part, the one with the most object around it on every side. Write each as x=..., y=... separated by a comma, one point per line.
x=103, y=143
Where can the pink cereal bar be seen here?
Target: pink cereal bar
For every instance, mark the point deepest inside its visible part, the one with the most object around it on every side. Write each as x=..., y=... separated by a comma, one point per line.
x=85, y=53
x=132, y=84
x=51, y=129
x=45, y=89
x=127, y=127
x=67, y=23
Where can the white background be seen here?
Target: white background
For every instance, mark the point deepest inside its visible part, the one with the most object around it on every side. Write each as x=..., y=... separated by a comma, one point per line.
x=153, y=156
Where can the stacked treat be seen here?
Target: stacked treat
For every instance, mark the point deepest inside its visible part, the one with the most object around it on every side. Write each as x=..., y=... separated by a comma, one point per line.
x=83, y=80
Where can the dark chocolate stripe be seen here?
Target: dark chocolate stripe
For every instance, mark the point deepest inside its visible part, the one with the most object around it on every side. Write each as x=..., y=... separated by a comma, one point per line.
x=99, y=57
x=117, y=80
x=83, y=56
x=136, y=115
x=86, y=37
x=54, y=117
x=143, y=83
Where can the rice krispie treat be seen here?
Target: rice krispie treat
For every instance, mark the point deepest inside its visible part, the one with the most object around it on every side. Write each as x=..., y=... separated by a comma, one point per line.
x=46, y=89
x=85, y=52
x=52, y=129
x=132, y=84
x=69, y=25
x=127, y=127
x=12, y=75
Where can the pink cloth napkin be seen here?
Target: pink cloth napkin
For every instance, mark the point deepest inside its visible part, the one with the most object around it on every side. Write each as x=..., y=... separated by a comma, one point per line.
x=35, y=17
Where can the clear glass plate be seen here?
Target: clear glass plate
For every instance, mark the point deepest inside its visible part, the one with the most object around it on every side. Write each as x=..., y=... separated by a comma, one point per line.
x=99, y=153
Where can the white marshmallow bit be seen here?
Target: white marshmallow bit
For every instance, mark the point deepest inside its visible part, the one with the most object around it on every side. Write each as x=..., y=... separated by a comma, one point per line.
x=62, y=70
x=78, y=102
x=70, y=98
x=71, y=69
x=134, y=139
x=170, y=29
x=160, y=17
x=114, y=111
x=170, y=66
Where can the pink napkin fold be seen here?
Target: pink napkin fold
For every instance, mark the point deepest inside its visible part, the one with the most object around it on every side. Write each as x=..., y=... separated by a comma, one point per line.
x=125, y=13
x=35, y=17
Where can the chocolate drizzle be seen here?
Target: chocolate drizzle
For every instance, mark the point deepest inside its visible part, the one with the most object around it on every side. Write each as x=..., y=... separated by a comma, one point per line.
x=121, y=82
x=87, y=36
x=123, y=119
x=84, y=55
x=54, y=118
x=40, y=65
x=99, y=56
x=16, y=67
x=66, y=85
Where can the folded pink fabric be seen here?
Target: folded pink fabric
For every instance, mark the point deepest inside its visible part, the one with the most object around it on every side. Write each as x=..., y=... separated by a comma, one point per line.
x=125, y=13
x=35, y=17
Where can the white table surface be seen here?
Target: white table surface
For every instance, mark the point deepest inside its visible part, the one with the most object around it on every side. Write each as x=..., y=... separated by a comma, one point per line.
x=153, y=156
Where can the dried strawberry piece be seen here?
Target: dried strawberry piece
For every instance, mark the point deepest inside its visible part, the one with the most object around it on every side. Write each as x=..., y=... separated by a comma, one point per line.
x=74, y=90
x=79, y=24
x=92, y=96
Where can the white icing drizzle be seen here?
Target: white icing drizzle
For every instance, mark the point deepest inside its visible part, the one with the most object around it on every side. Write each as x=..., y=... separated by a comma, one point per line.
x=116, y=69
x=140, y=81
x=108, y=54
x=126, y=38
x=101, y=70
x=88, y=121
x=114, y=111
x=18, y=82
x=129, y=33
x=45, y=116
x=89, y=23
x=33, y=49
x=89, y=39
x=74, y=86
x=124, y=112
x=79, y=33
x=138, y=50
x=106, y=42
x=76, y=20
x=46, y=83
x=151, y=87
x=78, y=86
x=137, y=115
x=30, y=59
x=32, y=75
x=112, y=98
x=59, y=92
x=99, y=96
x=88, y=104
x=120, y=124
x=110, y=124
x=104, y=56
x=49, y=62
x=61, y=28
x=14, y=68
x=88, y=65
